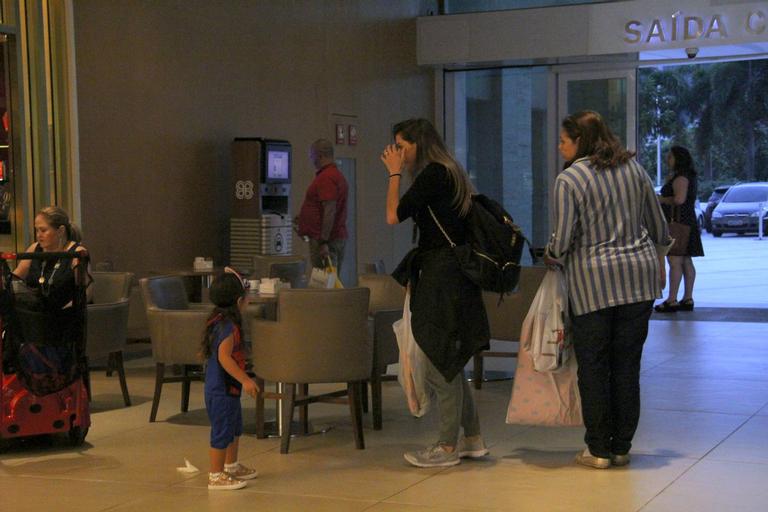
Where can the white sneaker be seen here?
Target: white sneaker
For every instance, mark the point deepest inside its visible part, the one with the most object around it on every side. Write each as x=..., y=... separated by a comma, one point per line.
x=620, y=460
x=585, y=458
x=242, y=472
x=433, y=457
x=472, y=447
x=224, y=482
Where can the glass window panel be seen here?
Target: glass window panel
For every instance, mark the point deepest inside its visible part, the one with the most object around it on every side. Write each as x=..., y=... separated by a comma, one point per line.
x=466, y=6
x=6, y=163
x=608, y=96
x=500, y=136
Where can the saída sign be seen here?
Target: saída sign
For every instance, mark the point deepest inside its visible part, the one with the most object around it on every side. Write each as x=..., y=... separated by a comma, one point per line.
x=679, y=27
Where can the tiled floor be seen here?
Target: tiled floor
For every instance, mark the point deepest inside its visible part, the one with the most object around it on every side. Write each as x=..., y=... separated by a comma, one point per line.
x=731, y=272
x=701, y=446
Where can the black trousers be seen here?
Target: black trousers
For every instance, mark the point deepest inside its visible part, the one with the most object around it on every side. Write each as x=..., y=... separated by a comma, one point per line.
x=609, y=345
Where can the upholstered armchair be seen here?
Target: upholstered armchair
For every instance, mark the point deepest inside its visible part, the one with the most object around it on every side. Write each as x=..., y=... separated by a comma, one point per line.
x=107, y=324
x=175, y=328
x=384, y=309
x=320, y=336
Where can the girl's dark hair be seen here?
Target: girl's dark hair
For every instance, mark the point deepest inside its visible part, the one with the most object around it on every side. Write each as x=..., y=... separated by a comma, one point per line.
x=595, y=140
x=225, y=291
x=683, y=161
x=431, y=148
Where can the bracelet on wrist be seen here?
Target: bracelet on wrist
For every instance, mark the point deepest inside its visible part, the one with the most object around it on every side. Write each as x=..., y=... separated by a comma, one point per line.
x=394, y=174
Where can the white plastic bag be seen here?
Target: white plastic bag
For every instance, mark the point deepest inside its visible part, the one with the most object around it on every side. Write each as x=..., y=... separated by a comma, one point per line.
x=326, y=277
x=547, y=319
x=412, y=360
x=322, y=278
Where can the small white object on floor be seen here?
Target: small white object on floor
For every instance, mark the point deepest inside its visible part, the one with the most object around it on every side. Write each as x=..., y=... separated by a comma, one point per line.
x=188, y=467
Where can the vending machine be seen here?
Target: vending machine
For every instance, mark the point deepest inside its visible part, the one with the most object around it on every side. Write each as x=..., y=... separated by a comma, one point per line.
x=261, y=183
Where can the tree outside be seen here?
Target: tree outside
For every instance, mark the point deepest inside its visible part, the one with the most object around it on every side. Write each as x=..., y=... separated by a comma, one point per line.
x=719, y=111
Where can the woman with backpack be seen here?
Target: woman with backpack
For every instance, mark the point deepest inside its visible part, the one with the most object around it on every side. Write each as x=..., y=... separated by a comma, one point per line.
x=611, y=237
x=448, y=316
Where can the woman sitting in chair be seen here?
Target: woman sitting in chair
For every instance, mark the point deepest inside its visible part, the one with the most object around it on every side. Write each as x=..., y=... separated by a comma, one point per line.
x=48, y=323
x=55, y=280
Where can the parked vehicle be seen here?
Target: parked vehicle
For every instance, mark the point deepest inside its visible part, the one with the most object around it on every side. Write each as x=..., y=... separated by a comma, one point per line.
x=712, y=202
x=699, y=214
x=739, y=209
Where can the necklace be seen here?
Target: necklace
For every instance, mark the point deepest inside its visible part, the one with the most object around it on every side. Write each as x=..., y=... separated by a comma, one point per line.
x=42, y=280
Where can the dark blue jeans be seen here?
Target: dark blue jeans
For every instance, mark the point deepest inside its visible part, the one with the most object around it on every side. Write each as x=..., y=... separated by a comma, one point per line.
x=609, y=345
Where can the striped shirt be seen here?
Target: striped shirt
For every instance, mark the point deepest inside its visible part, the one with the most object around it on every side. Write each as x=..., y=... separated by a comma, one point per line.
x=609, y=231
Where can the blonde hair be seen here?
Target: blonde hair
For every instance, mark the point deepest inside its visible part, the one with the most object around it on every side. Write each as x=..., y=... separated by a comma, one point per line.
x=431, y=148
x=56, y=217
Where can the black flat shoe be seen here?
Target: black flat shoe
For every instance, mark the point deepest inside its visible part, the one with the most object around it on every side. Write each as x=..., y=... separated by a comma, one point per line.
x=666, y=307
x=685, y=305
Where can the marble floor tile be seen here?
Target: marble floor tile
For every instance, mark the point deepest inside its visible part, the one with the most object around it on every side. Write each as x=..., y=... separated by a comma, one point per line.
x=703, y=395
x=722, y=367
x=715, y=486
x=33, y=494
x=176, y=499
x=747, y=444
x=545, y=481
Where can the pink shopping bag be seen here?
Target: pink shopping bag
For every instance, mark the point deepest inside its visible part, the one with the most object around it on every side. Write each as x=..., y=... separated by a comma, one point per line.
x=543, y=398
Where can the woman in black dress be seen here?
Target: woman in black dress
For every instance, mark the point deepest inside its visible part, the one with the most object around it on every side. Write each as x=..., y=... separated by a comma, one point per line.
x=448, y=317
x=51, y=326
x=55, y=280
x=678, y=196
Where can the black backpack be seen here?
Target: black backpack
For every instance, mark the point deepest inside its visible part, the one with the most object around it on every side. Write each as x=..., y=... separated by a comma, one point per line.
x=491, y=256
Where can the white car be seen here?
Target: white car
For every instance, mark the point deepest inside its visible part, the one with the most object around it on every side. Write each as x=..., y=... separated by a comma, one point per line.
x=699, y=214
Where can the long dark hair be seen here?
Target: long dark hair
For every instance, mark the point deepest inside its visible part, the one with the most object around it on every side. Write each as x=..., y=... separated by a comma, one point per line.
x=226, y=289
x=431, y=148
x=595, y=139
x=683, y=161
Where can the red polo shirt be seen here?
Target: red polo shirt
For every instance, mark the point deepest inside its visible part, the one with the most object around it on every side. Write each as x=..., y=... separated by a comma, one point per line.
x=329, y=185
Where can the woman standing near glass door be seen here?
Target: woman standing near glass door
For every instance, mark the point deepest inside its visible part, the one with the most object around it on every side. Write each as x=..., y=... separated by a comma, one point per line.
x=678, y=198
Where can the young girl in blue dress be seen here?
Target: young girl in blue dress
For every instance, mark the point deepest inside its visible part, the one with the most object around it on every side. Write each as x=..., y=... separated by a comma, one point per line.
x=225, y=380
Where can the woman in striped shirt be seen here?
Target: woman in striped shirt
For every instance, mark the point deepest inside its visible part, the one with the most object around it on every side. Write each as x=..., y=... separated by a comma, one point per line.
x=611, y=237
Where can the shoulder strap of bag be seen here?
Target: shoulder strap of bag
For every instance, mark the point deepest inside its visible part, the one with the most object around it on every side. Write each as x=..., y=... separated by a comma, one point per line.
x=675, y=209
x=441, y=227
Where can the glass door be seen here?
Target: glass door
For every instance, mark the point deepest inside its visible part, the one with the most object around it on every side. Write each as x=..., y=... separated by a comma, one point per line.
x=7, y=147
x=610, y=93
x=496, y=123
x=38, y=124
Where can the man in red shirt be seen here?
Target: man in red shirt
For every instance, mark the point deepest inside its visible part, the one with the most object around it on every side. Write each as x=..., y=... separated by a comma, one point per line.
x=323, y=215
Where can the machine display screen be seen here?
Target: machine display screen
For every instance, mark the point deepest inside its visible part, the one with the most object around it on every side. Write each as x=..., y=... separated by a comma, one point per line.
x=278, y=165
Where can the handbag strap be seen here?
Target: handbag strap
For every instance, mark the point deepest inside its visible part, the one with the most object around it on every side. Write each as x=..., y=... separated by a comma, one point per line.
x=441, y=227
x=675, y=208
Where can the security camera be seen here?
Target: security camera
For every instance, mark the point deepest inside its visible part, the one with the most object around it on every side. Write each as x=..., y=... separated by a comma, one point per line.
x=692, y=52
